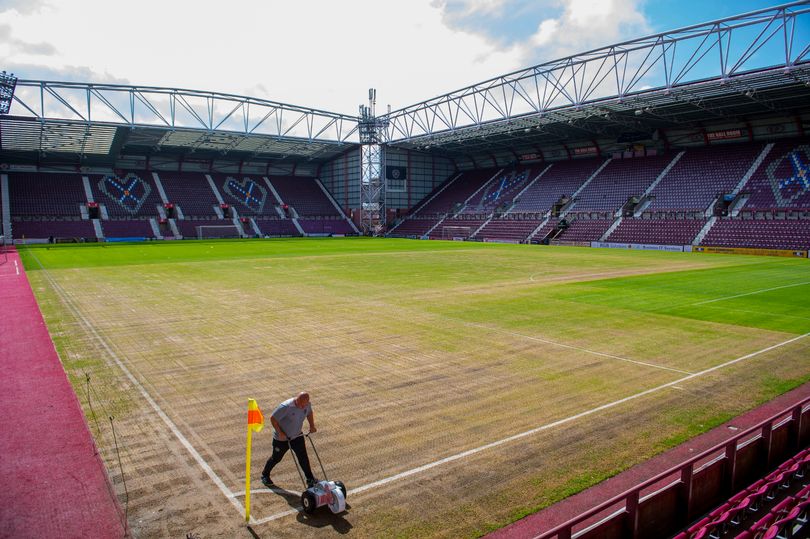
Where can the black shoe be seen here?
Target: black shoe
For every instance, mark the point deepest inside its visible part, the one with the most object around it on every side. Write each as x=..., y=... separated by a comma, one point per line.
x=266, y=481
x=311, y=482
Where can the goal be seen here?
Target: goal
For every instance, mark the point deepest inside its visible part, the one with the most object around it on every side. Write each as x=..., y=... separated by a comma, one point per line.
x=456, y=233
x=206, y=232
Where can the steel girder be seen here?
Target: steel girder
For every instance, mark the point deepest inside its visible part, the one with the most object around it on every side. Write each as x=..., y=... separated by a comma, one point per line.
x=725, y=50
x=190, y=118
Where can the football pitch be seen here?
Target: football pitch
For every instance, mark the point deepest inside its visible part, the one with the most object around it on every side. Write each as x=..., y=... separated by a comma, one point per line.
x=456, y=386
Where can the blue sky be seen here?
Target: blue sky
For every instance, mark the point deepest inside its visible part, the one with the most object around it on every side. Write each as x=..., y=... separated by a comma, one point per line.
x=323, y=53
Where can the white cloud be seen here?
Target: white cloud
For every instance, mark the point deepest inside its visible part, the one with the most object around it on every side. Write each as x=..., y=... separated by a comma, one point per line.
x=472, y=7
x=585, y=25
x=545, y=32
x=318, y=53
x=22, y=6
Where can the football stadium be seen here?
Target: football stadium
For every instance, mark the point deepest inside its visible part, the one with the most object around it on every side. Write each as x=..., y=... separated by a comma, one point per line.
x=570, y=301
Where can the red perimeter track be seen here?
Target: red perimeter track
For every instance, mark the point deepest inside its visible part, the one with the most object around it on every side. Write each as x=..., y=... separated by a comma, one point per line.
x=52, y=480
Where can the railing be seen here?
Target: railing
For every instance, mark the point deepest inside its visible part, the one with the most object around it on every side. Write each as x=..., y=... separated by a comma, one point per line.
x=758, y=441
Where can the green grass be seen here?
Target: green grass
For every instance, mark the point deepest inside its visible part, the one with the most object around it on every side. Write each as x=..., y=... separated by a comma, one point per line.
x=502, y=337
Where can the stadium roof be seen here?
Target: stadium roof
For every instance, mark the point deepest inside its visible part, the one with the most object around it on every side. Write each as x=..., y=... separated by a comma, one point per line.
x=733, y=69
x=101, y=121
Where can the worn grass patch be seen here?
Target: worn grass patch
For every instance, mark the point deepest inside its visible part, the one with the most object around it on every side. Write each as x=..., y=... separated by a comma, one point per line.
x=413, y=352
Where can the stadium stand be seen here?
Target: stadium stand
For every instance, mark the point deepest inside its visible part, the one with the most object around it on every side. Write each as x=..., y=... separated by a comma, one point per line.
x=773, y=506
x=451, y=198
x=248, y=194
x=74, y=230
x=750, y=484
x=513, y=228
x=126, y=194
x=130, y=228
x=755, y=233
x=543, y=232
x=276, y=227
x=190, y=192
x=413, y=227
x=48, y=206
x=499, y=191
x=563, y=179
x=305, y=196
x=771, y=210
x=620, y=180
x=702, y=174
x=461, y=227
x=45, y=195
x=585, y=229
x=783, y=180
x=657, y=231
x=334, y=226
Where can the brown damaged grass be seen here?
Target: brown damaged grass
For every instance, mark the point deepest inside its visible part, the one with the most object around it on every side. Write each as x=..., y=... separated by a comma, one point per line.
x=398, y=381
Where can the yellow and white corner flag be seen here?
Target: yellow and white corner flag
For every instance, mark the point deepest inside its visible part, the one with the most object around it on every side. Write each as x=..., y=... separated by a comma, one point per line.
x=255, y=421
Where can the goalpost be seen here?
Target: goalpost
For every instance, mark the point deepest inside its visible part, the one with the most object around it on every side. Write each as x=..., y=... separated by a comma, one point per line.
x=206, y=232
x=456, y=233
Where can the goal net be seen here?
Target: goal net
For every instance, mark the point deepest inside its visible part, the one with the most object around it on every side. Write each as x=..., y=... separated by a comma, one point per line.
x=217, y=231
x=457, y=233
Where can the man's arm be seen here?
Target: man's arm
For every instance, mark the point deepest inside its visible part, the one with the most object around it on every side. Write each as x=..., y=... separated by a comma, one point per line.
x=281, y=434
x=311, y=421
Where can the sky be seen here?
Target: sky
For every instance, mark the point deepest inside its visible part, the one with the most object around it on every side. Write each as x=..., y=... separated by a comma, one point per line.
x=323, y=54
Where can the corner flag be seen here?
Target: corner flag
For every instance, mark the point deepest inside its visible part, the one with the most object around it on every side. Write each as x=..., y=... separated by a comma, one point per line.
x=255, y=424
x=255, y=417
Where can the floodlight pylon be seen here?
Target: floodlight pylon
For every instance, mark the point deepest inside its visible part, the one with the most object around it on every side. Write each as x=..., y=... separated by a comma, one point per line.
x=8, y=82
x=372, y=165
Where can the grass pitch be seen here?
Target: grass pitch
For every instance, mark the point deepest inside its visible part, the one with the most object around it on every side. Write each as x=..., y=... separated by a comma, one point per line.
x=417, y=355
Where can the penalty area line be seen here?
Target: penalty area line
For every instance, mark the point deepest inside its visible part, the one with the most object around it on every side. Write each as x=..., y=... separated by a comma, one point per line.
x=548, y=426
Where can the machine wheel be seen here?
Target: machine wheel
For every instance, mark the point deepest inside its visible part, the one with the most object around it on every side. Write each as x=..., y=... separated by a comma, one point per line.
x=308, y=502
x=342, y=488
x=338, y=502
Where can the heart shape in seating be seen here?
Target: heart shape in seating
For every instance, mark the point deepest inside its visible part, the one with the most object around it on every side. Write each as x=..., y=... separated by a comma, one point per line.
x=247, y=192
x=789, y=176
x=129, y=193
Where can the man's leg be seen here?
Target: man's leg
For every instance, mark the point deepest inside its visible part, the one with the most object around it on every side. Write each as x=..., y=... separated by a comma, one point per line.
x=299, y=447
x=279, y=449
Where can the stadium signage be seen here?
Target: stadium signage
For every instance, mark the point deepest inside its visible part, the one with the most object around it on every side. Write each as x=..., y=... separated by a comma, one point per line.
x=396, y=173
x=725, y=134
x=746, y=251
x=585, y=150
x=641, y=246
x=529, y=157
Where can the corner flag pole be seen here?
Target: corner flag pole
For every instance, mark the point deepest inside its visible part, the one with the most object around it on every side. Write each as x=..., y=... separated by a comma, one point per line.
x=255, y=423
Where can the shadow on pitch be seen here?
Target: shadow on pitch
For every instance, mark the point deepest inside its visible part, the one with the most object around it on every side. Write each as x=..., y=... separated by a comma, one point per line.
x=322, y=516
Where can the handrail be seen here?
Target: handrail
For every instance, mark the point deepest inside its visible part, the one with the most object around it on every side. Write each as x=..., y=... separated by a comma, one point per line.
x=624, y=496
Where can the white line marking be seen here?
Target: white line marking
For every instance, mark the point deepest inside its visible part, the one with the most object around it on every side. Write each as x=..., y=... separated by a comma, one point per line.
x=232, y=496
x=541, y=428
x=274, y=490
x=16, y=267
x=572, y=347
x=155, y=406
x=750, y=293
x=276, y=516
